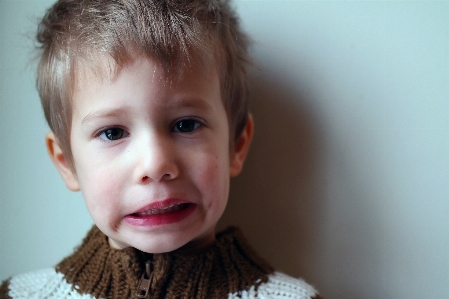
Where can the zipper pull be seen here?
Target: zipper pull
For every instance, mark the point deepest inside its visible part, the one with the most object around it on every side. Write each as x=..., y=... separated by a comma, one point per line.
x=145, y=281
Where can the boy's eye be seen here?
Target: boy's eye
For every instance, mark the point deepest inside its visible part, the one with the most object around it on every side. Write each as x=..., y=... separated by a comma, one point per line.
x=186, y=126
x=113, y=134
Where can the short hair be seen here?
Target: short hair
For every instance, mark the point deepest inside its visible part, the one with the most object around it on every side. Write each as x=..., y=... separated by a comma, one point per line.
x=173, y=32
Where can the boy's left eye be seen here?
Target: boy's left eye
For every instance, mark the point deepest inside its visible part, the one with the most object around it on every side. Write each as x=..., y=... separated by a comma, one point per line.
x=186, y=126
x=113, y=134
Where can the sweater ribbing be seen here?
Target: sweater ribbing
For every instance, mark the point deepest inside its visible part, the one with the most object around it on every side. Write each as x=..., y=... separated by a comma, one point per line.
x=227, y=266
x=227, y=269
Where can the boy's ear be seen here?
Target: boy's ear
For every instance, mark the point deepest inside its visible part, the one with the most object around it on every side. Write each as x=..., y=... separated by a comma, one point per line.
x=58, y=158
x=241, y=148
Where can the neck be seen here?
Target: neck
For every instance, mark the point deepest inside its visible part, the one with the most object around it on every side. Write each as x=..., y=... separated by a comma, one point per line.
x=199, y=245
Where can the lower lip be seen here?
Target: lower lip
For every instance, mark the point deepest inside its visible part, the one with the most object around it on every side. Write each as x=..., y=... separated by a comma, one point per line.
x=160, y=219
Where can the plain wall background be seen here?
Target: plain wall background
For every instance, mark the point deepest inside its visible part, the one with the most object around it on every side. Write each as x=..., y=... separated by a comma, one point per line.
x=347, y=182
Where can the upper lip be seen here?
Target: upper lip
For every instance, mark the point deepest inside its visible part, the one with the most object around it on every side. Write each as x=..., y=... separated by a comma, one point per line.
x=161, y=204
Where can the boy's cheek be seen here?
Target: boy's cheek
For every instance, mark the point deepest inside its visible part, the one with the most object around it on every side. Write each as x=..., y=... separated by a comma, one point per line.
x=215, y=181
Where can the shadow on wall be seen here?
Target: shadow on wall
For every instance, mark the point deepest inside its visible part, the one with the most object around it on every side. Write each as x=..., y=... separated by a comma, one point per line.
x=278, y=200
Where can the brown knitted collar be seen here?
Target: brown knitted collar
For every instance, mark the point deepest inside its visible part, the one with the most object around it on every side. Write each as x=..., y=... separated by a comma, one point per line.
x=228, y=266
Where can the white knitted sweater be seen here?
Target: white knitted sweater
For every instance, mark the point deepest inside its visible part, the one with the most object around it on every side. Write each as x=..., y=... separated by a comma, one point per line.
x=49, y=284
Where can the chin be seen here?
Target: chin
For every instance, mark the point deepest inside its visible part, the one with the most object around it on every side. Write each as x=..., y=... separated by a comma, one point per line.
x=160, y=244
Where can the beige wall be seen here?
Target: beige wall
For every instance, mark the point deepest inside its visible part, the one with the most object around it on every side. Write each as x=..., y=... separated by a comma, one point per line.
x=347, y=182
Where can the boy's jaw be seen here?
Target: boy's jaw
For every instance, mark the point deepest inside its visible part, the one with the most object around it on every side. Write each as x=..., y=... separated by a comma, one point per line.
x=195, y=246
x=199, y=245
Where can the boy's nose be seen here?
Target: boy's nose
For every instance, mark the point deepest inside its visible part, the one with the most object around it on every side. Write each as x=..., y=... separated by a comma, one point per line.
x=157, y=161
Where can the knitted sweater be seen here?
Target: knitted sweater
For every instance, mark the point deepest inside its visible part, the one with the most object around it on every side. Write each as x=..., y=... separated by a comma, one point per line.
x=227, y=269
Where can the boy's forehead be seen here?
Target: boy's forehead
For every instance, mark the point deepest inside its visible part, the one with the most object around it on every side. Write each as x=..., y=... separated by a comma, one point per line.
x=103, y=68
x=189, y=82
x=97, y=68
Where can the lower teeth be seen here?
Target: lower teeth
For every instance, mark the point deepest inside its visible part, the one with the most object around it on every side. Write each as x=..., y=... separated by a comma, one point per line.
x=169, y=209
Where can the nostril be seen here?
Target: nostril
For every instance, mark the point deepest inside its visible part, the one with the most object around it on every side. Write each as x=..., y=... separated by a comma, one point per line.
x=167, y=176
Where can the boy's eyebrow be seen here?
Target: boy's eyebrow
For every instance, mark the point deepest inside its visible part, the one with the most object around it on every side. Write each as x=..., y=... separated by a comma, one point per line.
x=105, y=113
x=116, y=112
x=189, y=102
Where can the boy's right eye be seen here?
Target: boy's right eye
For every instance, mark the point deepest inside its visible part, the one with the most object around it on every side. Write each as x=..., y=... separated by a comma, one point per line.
x=113, y=134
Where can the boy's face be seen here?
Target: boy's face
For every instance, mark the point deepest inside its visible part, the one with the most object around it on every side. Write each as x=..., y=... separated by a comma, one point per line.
x=152, y=155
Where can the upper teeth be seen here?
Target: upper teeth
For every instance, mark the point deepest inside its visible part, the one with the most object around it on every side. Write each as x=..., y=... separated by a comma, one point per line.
x=168, y=209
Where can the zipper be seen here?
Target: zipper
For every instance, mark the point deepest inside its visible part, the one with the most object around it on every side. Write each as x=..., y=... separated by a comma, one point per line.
x=143, y=289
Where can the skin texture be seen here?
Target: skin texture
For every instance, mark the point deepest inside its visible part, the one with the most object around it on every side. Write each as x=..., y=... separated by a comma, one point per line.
x=170, y=145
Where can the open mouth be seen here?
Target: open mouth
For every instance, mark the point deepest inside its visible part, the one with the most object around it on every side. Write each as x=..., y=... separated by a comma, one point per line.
x=162, y=215
x=165, y=210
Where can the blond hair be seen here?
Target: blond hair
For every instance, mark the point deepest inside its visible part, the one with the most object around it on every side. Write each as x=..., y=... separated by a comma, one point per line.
x=172, y=32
